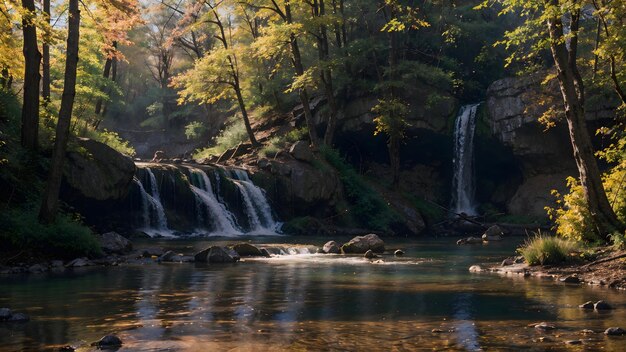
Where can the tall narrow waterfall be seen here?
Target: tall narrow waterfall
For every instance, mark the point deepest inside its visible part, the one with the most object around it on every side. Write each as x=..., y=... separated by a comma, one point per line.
x=216, y=212
x=463, y=184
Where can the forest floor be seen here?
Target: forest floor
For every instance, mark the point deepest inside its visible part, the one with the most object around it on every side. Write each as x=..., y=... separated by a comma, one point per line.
x=608, y=269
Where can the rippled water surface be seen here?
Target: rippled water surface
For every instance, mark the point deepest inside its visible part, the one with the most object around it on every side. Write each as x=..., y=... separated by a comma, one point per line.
x=426, y=300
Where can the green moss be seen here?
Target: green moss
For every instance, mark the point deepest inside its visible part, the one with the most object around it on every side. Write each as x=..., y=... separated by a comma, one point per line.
x=429, y=211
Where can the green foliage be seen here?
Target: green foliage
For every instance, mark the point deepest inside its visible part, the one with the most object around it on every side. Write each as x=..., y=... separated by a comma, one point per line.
x=431, y=213
x=366, y=205
x=276, y=144
x=547, y=250
x=391, y=117
x=67, y=238
x=230, y=137
x=112, y=139
x=195, y=130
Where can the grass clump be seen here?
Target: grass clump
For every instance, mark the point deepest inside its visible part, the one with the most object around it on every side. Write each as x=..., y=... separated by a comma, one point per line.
x=365, y=205
x=547, y=250
x=230, y=137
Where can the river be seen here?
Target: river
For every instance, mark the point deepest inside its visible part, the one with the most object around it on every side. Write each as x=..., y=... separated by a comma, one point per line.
x=425, y=300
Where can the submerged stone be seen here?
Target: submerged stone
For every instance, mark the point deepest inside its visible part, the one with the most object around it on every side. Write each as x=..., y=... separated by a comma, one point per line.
x=615, y=331
x=369, y=254
x=108, y=342
x=398, y=253
x=545, y=326
x=571, y=279
x=586, y=305
x=602, y=305
x=5, y=314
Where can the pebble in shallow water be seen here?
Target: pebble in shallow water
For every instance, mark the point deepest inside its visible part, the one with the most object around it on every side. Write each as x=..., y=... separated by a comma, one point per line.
x=615, y=331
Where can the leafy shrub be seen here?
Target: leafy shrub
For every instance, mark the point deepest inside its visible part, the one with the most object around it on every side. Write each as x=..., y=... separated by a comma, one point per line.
x=276, y=144
x=112, y=139
x=431, y=213
x=572, y=218
x=195, y=130
x=366, y=205
x=67, y=238
x=547, y=250
x=230, y=137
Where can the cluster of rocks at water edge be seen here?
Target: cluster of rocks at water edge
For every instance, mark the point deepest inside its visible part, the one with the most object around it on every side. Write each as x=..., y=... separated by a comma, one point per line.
x=493, y=233
x=370, y=246
x=9, y=316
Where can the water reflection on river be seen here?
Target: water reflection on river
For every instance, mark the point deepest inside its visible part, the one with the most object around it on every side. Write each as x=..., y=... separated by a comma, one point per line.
x=426, y=300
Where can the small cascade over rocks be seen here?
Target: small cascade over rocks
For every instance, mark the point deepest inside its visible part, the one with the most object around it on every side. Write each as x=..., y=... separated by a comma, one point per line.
x=154, y=220
x=258, y=209
x=201, y=201
x=216, y=212
x=463, y=183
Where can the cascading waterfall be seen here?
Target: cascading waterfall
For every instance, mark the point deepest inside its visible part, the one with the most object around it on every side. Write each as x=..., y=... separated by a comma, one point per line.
x=154, y=220
x=223, y=220
x=247, y=211
x=463, y=184
x=258, y=209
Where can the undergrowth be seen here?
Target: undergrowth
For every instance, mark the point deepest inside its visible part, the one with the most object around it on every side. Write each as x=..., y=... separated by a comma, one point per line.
x=230, y=137
x=547, y=250
x=365, y=205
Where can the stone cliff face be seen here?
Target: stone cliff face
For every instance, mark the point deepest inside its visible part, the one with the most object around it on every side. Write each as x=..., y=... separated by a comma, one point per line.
x=545, y=157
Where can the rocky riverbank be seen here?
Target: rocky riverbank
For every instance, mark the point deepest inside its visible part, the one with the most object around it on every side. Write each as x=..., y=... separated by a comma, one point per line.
x=608, y=269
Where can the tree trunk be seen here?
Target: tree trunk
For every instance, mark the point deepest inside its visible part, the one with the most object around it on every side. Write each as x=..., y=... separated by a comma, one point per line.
x=303, y=93
x=105, y=74
x=32, y=61
x=394, y=159
x=572, y=91
x=50, y=203
x=327, y=77
x=244, y=115
x=113, y=79
x=45, y=89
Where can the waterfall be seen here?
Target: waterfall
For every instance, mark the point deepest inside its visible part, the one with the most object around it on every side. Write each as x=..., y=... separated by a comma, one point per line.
x=151, y=206
x=463, y=184
x=257, y=207
x=224, y=221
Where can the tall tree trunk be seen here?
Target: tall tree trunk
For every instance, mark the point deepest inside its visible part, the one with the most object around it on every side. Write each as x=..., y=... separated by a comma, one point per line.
x=105, y=74
x=326, y=75
x=50, y=203
x=32, y=61
x=303, y=93
x=45, y=89
x=572, y=91
x=393, y=145
x=113, y=79
x=244, y=115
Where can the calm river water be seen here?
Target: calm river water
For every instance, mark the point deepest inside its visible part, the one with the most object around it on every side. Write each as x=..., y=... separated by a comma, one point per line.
x=426, y=300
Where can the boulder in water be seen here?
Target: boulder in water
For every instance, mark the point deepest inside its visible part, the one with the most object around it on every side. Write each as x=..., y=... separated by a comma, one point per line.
x=167, y=256
x=112, y=242
x=221, y=255
x=491, y=238
x=108, y=342
x=602, y=305
x=300, y=151
x=369, y=254
x=615, y=331
x=586, y=305
x=247, y=250
x=331, y=247
x=494, y=230
x=398, y=253
x=5, y=314
x=19, y=318
x=470, y=240
x=361, y=244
